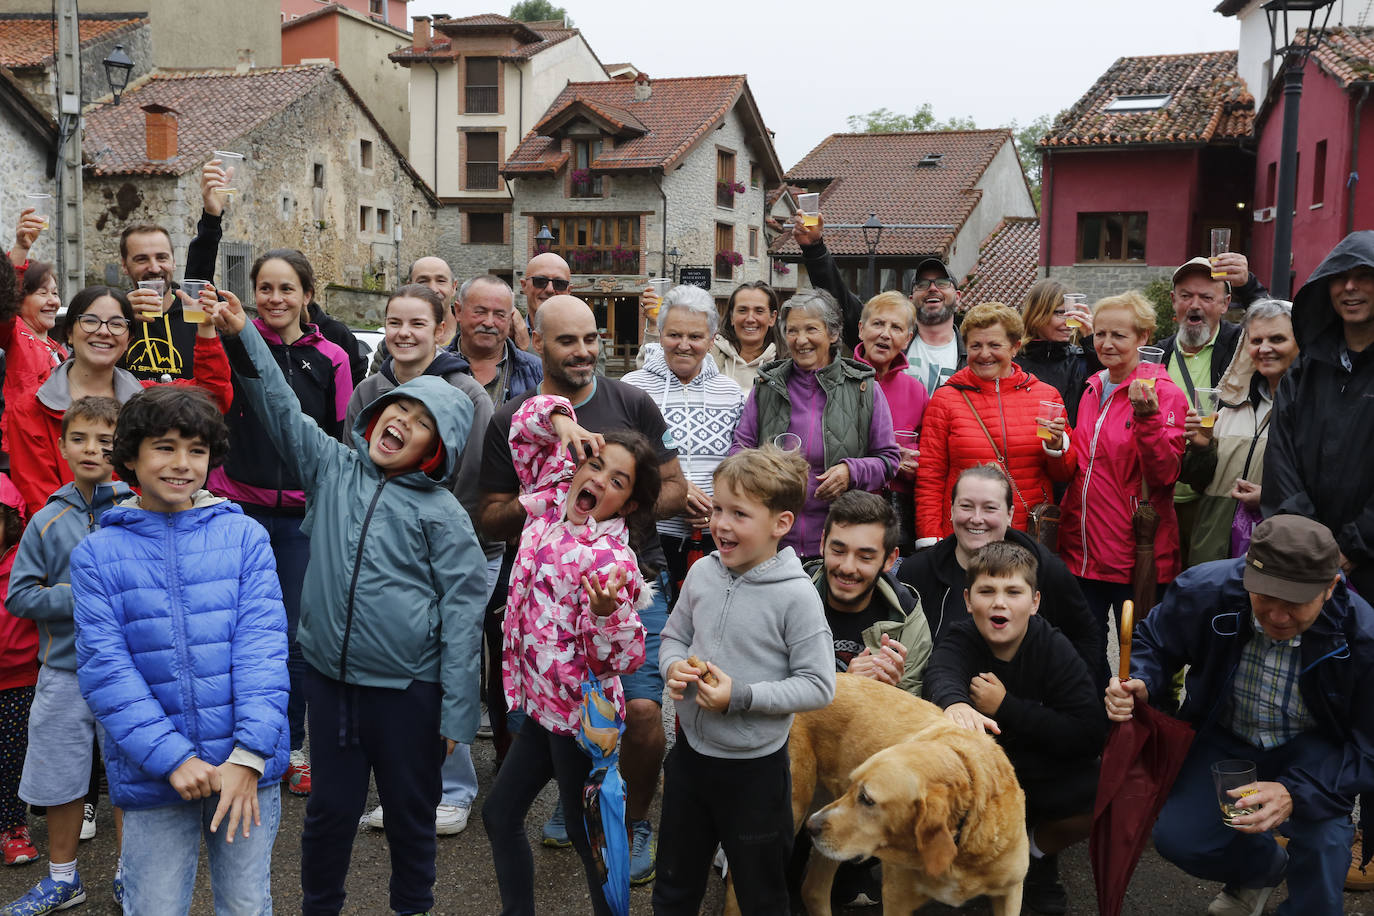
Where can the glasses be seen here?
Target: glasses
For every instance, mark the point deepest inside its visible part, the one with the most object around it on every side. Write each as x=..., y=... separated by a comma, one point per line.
x=559, y=285
x=118, y=326
x=942, y=283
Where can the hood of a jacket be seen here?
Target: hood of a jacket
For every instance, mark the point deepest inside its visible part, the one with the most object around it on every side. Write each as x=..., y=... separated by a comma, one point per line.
x=107, y=495
x=1047, y=351
x=777, y=372
x=781, y=567
x=310, y=335
x=769, y=351
x=1316, y=326
x=453, y=416
x=130, y=513
x=895, y=596
x=966, y=380
x=445, y=363
x=899, y=362
x=56, y=391
x=657, y=365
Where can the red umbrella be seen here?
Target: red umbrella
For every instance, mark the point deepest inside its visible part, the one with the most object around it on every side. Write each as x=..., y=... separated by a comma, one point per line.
x=1139, y=764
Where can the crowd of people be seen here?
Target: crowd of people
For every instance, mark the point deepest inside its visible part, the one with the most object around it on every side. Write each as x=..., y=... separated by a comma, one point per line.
x=238, y=560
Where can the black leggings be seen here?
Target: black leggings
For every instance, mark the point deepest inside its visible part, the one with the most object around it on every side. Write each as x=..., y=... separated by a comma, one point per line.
x=14, y=744
x=536, y=756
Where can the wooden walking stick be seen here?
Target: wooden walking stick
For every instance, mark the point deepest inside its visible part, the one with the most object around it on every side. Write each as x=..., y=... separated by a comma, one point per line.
x=1127, y=627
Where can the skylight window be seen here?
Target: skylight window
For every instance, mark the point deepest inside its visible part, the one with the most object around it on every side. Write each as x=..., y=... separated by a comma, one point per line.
x=930, y=161
x=1152, y=102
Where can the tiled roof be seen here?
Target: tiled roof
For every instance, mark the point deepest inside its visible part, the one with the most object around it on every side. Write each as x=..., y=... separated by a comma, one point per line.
x=28, y=42
x=1209, y=103
x=531, y=40
x=677, y=114
x=878, y=173
x=1006, y=263
x=1347, y=54
x=549, y=38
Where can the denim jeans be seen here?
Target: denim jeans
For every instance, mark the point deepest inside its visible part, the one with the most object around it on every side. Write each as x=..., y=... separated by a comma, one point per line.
x=162, y=846
x=460, y=777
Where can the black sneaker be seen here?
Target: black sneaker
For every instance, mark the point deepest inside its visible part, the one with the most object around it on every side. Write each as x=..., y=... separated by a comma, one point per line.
x=1043, y=892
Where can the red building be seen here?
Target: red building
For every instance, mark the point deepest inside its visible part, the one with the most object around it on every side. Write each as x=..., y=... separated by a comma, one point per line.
x=1335, y=148
x=1139, y=170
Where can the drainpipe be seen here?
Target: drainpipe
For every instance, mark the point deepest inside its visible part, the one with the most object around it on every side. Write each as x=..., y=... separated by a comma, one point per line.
x=1046, y=223
x=663, y=262
x=436, y=126
x=1354, y=180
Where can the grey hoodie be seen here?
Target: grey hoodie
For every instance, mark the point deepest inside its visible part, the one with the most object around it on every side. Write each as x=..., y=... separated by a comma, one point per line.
x=765, y=629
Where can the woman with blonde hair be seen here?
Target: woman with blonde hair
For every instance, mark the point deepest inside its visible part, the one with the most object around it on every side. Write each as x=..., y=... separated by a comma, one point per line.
x=1049, y=352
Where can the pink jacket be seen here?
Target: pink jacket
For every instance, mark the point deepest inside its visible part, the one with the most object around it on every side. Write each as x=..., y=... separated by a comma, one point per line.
x=906, y=400
x=551, y=636
x=1110, y=447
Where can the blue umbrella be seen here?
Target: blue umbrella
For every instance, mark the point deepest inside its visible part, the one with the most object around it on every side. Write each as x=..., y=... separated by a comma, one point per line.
x=603, y=796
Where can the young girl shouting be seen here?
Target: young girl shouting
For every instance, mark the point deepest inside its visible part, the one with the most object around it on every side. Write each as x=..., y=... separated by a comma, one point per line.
x=574, y=593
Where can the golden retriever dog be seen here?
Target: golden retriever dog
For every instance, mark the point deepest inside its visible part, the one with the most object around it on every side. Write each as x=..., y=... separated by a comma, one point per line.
x=938, y=805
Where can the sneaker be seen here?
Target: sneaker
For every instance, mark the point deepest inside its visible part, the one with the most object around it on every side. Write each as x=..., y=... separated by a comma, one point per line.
x=1043, y=891
x=88, y=821
x=1240, y=901
x=297, y=775
x=19, y=849
x=374, y=818
x=643, y=851
x=117, y=889
x=450, y=819
x=47, y=896
x=556, y=829
x=484, y=724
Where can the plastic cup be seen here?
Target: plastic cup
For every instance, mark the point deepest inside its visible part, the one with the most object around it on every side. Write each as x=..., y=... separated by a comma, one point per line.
x=1226, y=776
x=42, y=206
x=1049, y=412
x=157, y=286
x=1221, y=243
x=191, y=311
x=788, y=442
x=1077, y=302
x=1150, y=355
x=809, y=206
x=661, y=286
x=232, y=163
x=1208, y=406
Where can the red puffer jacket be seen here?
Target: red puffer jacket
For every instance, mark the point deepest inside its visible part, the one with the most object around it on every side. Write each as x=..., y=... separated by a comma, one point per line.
x=952, y=440
x=1112, y=449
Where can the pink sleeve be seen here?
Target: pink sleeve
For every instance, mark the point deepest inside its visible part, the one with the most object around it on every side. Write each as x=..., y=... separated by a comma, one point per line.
x=1160, y=439
x=615, y=644
x=541, y=462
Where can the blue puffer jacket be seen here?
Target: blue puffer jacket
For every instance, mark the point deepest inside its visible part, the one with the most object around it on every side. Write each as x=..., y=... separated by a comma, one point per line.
x=396, y=586
x=41, y=584
x=181, y=644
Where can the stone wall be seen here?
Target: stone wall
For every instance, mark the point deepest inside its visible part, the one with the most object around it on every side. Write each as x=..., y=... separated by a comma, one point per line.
x=357, y=308
x=280, y=206
x=1097, y=281
x=23, y=162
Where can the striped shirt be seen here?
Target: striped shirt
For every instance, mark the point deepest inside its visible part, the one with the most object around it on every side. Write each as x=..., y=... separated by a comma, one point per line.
x=1267, y=708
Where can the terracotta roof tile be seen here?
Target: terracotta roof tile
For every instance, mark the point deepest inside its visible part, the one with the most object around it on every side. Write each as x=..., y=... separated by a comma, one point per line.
x=531, y=40
x=676, y=115
x=29, y=42
x=214, y=108
x=550, y=37
x=1347, y=54
x=1209, y=103
x=1006, y=264
x=878, y=173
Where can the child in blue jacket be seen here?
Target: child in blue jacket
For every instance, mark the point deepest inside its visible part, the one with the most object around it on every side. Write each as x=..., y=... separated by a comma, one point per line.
x=181, y=656
x=391, y=612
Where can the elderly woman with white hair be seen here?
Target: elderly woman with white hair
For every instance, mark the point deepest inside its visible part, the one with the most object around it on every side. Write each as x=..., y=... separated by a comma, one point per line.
x=701, y=406
x=825, y=405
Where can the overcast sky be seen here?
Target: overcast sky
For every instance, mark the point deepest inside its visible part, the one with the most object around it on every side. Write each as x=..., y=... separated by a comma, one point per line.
x=812, y=63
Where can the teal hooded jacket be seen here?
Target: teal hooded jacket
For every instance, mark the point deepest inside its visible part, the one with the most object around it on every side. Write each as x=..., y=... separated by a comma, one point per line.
x=396, y=586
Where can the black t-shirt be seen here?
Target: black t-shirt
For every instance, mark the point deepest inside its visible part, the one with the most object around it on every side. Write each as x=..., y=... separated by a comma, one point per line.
x=613, y=405
x=848, y=629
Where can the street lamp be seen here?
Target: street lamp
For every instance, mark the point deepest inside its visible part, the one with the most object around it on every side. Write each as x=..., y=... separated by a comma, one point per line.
x=873, y=231
x=117, y=68
x=676, y=257
x=543, y=239
x=1295, y=53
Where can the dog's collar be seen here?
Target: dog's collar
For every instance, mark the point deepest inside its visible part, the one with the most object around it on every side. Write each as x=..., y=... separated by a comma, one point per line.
x=959, y=828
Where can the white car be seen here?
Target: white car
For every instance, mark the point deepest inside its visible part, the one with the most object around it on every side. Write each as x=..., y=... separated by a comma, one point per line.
x=369, y=339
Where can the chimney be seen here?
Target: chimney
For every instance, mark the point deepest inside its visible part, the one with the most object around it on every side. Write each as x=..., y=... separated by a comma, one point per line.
x=422, y=34
x=160, y=130
x=245, y=61
x=643, y=89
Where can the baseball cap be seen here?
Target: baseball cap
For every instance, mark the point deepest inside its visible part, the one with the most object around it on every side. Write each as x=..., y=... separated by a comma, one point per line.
x=1197, y=265
x=933, y=264
x=1291, y=558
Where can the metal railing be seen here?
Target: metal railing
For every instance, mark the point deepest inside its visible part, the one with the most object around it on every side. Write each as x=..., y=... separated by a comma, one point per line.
x=483, y=176
x=481, y=100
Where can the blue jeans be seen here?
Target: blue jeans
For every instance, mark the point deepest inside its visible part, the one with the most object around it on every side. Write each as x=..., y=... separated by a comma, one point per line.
x=162, y=846
x=292, y=552
x=460, y=777
x=646, y=683
x=1191, y=834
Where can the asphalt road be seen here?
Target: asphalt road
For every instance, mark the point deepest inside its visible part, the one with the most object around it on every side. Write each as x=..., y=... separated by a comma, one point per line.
x=467, y=884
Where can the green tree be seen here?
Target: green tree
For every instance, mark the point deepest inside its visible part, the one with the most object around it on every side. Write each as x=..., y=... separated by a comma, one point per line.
x=537, y=11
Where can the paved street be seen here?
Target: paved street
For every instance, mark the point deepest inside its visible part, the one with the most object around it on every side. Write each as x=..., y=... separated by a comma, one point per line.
x=468, y=886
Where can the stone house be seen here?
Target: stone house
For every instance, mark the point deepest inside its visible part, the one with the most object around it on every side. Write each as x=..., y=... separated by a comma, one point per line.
x=1140, y=169
x=321, y=174
x=358, y=45
x=28, y=150
x=477, y=85
x=623, y=171
x=26, y=50
x=959, y=185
